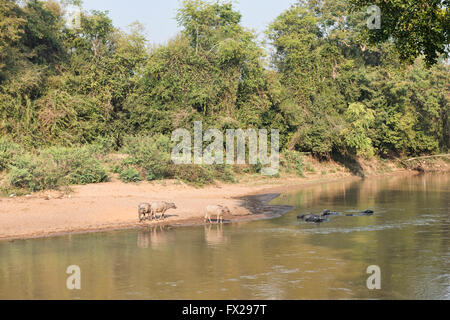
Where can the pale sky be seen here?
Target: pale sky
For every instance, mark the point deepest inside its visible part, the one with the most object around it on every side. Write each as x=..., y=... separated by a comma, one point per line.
x=158, y=16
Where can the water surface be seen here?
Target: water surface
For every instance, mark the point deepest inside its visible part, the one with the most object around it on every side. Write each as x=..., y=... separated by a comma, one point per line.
x=408, y=238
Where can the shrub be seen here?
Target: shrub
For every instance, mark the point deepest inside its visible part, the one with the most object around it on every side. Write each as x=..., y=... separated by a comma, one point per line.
x=228, y=175
x=102, y=145
x=295, y=161
x=257, y=167
x=54, y=167
x=21, y=178
x=8, y=150
x=309, y=168
x=150, y=153
x=356, y=137
x=225, y=173
x=34, y=173
x=151, y=176
x=77, y=165
x=194, y=174
x=130, y=175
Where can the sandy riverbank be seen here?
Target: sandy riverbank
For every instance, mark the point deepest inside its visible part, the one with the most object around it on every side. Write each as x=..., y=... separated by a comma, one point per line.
x=113, y=205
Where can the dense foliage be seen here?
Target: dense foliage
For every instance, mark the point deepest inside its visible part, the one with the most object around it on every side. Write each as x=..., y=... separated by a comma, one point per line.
x=327, y=92
x=416, y=26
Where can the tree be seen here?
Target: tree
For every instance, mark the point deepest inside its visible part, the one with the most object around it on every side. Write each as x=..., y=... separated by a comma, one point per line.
x=356, y=135
x=11, y=29
x=310, y=57
x=416, y=27
x=206, y=24
x=334, y=85
x=212, y=71
x=326, y=91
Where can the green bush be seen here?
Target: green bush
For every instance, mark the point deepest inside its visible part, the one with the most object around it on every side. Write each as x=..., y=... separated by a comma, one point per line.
x=102, y=145
x=21, y=178
x=151, y=176
x=130, y=175
x=8, y=150
x=34, y=173
x=151, y=156
x=228, y=175
x=77, y=165
x=224, y=173
x=295, y=161
x=150, y=153
x=194, y=174
x=55, y=167
x=257, y=167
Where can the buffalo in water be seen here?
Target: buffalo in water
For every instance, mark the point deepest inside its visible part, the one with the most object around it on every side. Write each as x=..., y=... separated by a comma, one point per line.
x=326, y=213
x=362, y=213
x=314, y=218
x=323, y=217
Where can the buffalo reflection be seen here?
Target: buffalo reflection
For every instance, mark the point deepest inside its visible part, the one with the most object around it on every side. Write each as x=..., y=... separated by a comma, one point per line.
x=154, y=236
x=214, y=235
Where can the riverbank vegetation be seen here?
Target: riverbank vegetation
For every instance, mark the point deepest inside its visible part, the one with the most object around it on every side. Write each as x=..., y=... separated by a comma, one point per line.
x=80, y=105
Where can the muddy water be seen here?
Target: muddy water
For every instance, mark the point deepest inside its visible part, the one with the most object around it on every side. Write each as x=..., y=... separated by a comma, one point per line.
x=408, y=238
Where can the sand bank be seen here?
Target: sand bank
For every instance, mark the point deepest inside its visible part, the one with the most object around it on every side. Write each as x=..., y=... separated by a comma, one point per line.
x=113, y=205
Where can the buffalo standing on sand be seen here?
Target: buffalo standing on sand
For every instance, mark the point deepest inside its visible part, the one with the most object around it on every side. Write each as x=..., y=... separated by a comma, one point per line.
x=161, y=207
x=149, y=210
x=219, y=211
x=144, y=209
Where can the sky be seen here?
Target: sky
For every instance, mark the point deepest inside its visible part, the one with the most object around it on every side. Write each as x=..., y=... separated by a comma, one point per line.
x=158, y=16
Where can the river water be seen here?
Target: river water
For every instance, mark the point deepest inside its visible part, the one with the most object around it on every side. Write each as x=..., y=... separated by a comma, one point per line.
x=408, y=238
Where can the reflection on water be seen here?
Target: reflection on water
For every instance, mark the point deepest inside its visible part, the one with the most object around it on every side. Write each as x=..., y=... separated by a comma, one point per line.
x=153, y=237
x=214, y=235
x=408, y=238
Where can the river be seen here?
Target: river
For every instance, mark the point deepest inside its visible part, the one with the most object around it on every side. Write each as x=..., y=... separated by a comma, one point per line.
x=408, y=239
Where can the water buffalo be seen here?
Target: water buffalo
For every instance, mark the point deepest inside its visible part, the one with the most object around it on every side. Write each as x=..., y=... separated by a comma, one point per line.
x=218, y=210
x=312, y=218
x=327, y=212
x=144, y=209
x=363, y=213
x=161, y=207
